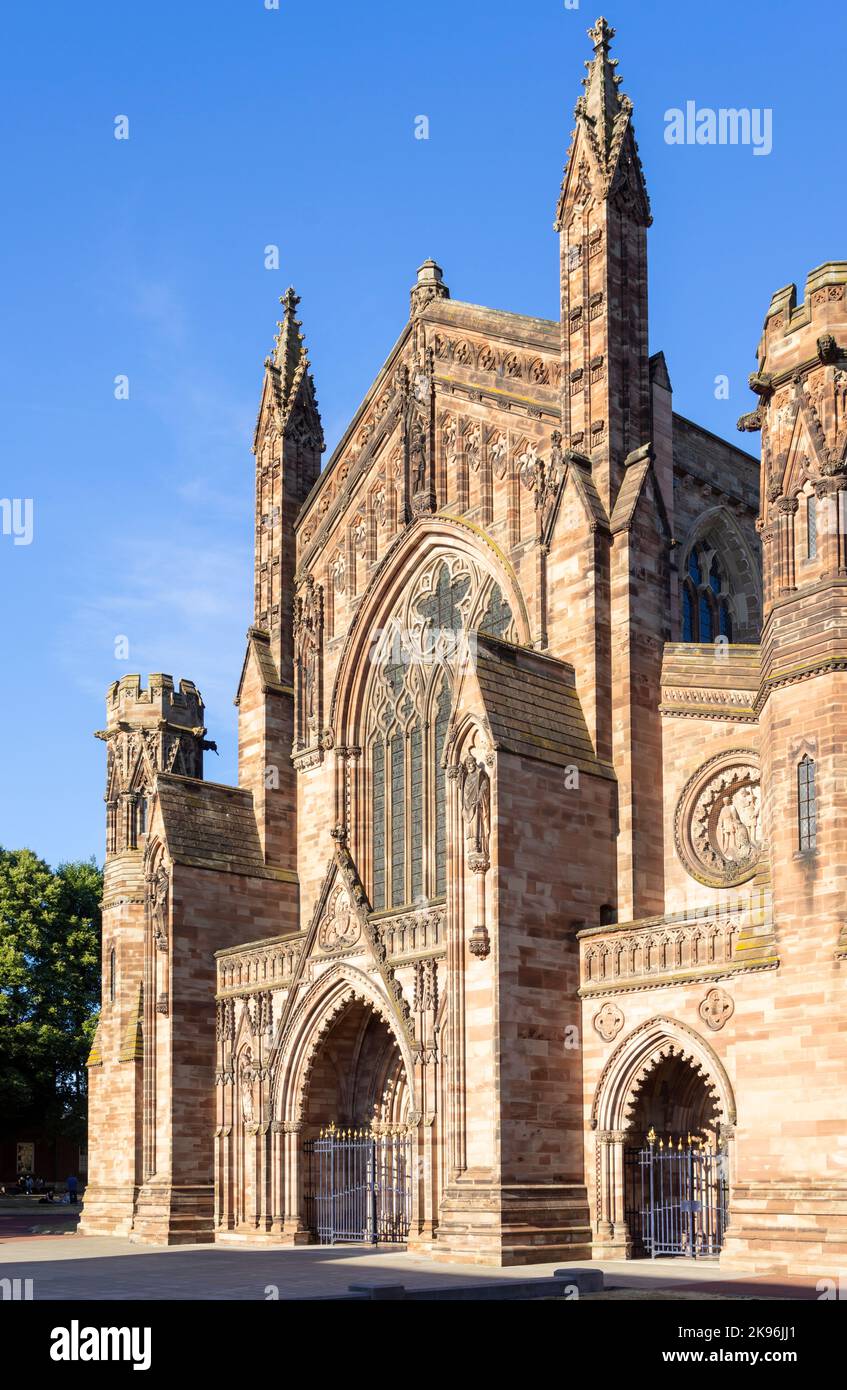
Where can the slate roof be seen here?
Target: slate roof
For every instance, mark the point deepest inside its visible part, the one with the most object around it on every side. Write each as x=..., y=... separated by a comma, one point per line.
x=532, y=706
x=209, y=826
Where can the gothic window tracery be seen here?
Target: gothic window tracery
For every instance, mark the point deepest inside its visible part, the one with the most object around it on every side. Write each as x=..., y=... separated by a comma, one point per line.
x=706, y=602
x=416, y=661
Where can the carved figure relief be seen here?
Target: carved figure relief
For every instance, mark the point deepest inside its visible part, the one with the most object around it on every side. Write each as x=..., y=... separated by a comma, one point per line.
x=718, y=823
x=340, y=928
x=248, y=1076
x=417, y=454
x=308, y=641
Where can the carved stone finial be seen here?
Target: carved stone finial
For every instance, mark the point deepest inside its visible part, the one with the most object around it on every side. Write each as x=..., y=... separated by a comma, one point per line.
x=289, y=300
x=428, y=286
x=601, y=36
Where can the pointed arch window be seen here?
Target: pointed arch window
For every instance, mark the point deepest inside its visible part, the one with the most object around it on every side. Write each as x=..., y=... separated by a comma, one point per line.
x=409, y=711
x=113, y=976
x=811, y=526
x=442, y=720
x=807, y=804
x=706, y=602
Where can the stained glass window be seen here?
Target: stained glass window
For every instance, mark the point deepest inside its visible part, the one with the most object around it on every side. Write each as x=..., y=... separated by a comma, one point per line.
x=497, y=615
x=687, y=615
x=706, y=610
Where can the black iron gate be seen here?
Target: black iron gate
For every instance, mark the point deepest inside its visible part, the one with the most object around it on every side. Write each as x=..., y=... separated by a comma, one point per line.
x=677, y=1198
x=359, y=1186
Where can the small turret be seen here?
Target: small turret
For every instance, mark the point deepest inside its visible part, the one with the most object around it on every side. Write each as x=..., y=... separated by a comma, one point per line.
x=157, y=729
x=802, y=388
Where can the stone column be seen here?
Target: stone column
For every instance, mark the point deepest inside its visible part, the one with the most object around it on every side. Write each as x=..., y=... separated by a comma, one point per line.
x=612, y=1240
x=294, y=1225
x=455, y=929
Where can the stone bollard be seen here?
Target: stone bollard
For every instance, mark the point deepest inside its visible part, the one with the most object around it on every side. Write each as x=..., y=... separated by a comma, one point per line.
x=586, y=1280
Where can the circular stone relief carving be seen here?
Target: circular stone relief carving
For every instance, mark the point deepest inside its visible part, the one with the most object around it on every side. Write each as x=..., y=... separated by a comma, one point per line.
x=717, y=1008
x=340, y=927
x=608, y=1022
x=717, y=827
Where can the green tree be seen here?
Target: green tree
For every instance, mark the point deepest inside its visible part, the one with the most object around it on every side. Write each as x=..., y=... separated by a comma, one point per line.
x=49, y=989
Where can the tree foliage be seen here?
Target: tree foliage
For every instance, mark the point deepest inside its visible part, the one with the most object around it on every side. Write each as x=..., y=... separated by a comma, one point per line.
x=49, y=989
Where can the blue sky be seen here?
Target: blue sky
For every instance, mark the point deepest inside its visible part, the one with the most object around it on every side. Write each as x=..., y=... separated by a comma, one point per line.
x=295, y=127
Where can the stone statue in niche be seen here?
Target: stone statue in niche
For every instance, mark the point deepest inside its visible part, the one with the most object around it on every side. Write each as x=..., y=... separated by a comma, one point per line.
x=417, y=455
x=247, y=1093
x=476, y=805
x=308, y=629
x=159, y=907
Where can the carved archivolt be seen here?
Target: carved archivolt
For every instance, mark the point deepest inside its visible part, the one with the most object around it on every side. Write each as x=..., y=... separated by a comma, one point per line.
x=718, y=821
x=639, y=1054
x=313, y=1019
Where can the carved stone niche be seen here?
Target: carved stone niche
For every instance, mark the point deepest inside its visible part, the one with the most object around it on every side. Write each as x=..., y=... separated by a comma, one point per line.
x=718, y=821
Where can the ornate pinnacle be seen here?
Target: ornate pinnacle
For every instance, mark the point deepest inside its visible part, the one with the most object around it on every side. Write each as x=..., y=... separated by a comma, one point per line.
x=601, y=36
x=289, y=300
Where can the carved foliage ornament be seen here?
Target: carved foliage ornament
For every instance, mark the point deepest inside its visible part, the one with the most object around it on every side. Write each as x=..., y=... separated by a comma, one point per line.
x=717, y=827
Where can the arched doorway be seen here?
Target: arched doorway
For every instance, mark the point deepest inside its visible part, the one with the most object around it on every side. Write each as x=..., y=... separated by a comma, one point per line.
x=357, y=1079
x=675, y=1165
x=675, y=1101
x=357, y=1140
x=664, y=1117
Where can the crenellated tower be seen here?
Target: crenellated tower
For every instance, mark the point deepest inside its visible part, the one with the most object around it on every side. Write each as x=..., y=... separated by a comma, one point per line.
x=802, y=387
x=148, y=731
x=801, y=383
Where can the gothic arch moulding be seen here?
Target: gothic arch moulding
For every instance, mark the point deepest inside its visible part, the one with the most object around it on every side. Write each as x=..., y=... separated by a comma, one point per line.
x=301, y=1037
x=717, y=534
x=635, y=1058
x=415, y=553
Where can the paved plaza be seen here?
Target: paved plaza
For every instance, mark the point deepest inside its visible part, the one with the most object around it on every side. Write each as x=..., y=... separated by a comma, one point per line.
x=65, y=1265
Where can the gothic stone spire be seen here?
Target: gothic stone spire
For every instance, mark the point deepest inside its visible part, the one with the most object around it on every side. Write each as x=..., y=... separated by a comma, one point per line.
x=604, y=121
x=602, y=217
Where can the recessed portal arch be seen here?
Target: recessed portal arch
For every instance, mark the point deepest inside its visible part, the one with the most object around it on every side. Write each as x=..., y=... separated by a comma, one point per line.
x=662, y=1083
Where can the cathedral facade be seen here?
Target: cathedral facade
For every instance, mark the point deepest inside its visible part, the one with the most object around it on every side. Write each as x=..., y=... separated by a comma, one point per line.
x=535, y=869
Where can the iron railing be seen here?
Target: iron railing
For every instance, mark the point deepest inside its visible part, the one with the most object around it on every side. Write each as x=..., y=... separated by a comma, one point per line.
x=359, y=1186
x=677, y=1199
